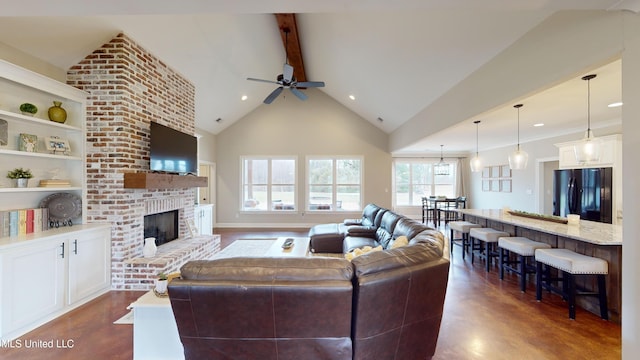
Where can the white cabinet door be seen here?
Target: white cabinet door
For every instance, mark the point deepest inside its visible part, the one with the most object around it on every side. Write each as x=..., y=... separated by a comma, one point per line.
x=89, y=263
x=204, y=219
x=33, y=283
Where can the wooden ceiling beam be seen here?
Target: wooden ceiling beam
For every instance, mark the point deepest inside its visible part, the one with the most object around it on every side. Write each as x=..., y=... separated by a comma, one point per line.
x=287, y=22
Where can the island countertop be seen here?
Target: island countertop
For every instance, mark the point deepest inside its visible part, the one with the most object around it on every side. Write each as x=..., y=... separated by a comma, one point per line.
x=588, y=231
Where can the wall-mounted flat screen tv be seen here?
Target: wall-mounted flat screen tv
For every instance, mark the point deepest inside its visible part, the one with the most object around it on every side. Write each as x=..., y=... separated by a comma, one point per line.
x=173, y=151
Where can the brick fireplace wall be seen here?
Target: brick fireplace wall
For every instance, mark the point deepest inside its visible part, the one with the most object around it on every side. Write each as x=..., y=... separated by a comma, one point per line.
x=129, y=88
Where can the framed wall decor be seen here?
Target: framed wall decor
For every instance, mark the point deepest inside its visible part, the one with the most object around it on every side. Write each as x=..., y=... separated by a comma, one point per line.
x=496, y=178
x=57, y=145
x=486, y=185
x=505, y=185
x=28, y=143
x=495, y=185
x=505, y=171
x=495, y=171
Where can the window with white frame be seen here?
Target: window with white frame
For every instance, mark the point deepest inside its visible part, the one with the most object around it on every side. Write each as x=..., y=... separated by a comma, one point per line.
x=415, y=179
x=269, y=184
x=334, y=183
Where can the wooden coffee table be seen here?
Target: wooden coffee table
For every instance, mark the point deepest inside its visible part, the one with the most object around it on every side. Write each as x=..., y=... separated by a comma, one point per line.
x=300, y=248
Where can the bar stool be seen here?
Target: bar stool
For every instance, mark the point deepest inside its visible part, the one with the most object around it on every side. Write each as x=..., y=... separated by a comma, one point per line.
x=488, y=236
x=462, y=227
x=571, y=264
x=525, y=249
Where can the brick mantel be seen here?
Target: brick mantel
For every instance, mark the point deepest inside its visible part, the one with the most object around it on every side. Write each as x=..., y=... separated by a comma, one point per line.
x=128, y=88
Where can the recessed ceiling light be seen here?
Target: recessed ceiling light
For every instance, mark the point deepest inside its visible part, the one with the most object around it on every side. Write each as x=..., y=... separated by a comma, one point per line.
x=538, y=124
x=244, y=97
x=352, y=97
x=615, y=104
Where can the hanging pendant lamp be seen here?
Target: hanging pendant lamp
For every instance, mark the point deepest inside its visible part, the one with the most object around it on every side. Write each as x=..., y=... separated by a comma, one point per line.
x=518, y=159
x=441, y=168
x=588, y=149
x=476, y=163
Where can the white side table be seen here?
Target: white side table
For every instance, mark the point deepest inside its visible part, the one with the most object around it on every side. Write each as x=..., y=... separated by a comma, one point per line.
x=155, y=333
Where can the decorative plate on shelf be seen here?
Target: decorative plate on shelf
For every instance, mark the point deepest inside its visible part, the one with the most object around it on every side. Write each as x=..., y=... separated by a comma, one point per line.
x=62, y=206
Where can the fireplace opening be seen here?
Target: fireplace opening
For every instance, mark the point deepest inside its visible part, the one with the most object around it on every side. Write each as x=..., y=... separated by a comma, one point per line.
x=162, y=226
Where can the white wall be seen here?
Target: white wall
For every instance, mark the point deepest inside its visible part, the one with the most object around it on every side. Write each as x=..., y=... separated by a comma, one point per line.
x=27, y=61
x=288, y=126
x=631, y=174
x=206, y=146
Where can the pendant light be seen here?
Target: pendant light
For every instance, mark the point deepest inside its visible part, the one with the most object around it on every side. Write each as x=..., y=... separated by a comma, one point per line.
x=588, y=149
x=441, y=168
x=518, y=159
x=476, y=163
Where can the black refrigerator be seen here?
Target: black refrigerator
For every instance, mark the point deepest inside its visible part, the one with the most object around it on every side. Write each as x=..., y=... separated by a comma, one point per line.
x=586, y=192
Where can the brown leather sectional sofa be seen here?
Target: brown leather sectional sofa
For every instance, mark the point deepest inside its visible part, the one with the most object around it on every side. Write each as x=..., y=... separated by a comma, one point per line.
x=381, y=305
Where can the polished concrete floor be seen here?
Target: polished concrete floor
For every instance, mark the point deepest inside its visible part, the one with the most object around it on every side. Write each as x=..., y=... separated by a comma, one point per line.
x=484, y=318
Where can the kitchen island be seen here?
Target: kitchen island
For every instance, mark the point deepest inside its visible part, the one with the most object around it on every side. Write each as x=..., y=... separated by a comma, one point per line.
x=590, y=238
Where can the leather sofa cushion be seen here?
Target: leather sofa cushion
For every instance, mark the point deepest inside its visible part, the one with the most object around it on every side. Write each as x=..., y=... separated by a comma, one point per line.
x=268, y=269
x=408, y=227
x=401, y=257
x=354, y=242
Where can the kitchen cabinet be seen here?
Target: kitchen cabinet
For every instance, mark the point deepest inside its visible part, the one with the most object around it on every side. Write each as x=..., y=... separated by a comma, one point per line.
x=610, y=154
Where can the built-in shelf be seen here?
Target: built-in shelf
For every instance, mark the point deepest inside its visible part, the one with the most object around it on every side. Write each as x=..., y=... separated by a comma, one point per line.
x=38, y=189
x=162, y=181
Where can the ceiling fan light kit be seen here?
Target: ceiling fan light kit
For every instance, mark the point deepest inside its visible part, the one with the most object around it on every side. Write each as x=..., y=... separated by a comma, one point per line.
x=519, y=158
x=476, y=163
x=441, y=168
x=588, y=149
x=286, y=80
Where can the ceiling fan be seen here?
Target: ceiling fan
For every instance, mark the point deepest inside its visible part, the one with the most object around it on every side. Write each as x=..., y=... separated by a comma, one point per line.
x=286, y=80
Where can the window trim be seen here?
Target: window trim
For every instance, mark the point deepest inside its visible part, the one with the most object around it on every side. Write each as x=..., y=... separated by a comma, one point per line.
x=334, y=185
x=269, y=184
x=432, y=185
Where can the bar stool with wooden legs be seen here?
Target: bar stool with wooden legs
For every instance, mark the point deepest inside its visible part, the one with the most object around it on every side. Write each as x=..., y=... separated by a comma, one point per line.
x=489, y=237
x=463, y=227
x=524, y=249
x=571, y=264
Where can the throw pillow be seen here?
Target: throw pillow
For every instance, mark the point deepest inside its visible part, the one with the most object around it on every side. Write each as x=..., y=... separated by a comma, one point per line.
x=359, y=251
x=400, y=241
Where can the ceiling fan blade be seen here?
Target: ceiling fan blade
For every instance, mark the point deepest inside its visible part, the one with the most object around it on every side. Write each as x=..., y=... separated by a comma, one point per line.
x=274, y=94
x=287, y=73
x=267, y=81
x=310, y=84
x=298, y=93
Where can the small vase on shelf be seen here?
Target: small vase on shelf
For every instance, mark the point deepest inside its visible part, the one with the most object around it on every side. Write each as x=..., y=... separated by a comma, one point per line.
x=57, y=113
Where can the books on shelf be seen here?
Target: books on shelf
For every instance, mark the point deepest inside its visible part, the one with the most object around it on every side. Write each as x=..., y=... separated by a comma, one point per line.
x=55, y=183
x=23, y=221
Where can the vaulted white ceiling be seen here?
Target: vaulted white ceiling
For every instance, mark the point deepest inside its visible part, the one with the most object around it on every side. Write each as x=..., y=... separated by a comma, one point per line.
x=394, y=57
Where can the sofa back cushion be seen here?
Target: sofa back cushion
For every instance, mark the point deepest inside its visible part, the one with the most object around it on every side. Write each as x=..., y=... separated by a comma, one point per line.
x=385, y=230
x=369, y=214
x=398, y=301
x=408, y=227
x=264, y=308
